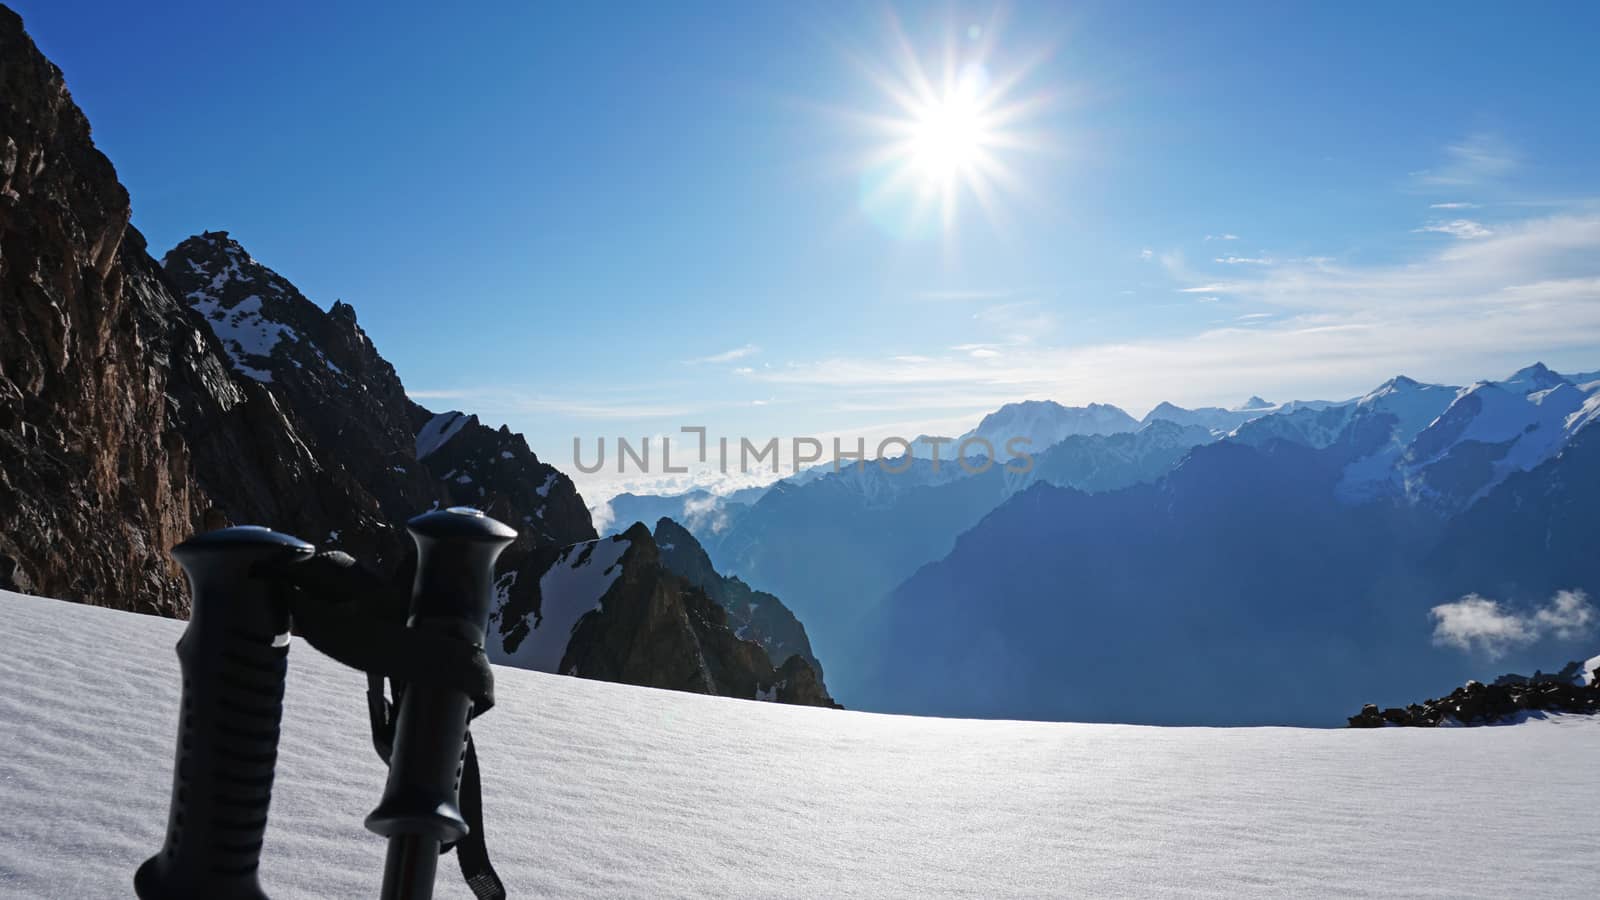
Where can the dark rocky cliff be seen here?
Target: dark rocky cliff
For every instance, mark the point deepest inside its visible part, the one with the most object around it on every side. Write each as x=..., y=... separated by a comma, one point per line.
x=96, y=478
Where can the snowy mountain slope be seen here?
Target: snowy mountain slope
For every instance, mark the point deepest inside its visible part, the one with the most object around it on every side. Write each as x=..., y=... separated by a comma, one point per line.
x=1440, y=445
x=601, y=790
x=1410, y=403
x=1493, y=429
x=1215, y=418
x=1223, y=421
x=1410, y=407
x=1107, y=462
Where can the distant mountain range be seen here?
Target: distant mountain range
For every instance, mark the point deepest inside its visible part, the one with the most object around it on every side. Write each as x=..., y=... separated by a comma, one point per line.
x=1371, y=493
x=1270, y=576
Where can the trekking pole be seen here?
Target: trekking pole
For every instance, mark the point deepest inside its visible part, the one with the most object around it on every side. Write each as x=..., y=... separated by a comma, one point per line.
x=456, y=552
x=233, y=654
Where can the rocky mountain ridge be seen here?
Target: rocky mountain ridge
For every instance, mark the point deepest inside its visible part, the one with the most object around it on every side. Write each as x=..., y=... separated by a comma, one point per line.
x=611, y=609
x=141, y=403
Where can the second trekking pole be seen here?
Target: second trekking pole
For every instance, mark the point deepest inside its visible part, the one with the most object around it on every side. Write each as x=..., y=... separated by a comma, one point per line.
x=456, y=552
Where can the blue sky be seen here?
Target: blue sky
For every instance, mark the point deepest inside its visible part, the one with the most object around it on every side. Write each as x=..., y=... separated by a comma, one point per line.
x=590, y=220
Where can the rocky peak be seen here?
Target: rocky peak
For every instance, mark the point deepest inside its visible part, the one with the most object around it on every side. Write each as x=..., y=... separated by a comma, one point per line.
x=494, y=470
x=1396, y=385
x=609, y=609
x=324, y=371
x=753, y=615
x=271, y=332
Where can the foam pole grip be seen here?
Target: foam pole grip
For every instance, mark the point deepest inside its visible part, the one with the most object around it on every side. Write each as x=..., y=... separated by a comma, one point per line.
x=233, y=654
x=456, y=552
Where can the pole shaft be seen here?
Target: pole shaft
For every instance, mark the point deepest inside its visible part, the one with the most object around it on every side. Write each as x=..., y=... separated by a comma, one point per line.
x=409, y=868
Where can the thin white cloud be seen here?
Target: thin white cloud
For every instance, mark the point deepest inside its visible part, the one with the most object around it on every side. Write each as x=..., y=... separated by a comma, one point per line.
x=1465, y=229
x=1222, y=237
x=1147, y=253
x=1244, y=260
x=1529, y=290
x=1017, y=323
x=1478, y=159
x=1452, y=206
x=726, y=356
x=1477, y=624
x=976, y=351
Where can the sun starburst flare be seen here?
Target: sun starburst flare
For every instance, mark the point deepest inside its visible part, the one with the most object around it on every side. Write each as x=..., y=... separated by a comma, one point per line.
x=949, y=137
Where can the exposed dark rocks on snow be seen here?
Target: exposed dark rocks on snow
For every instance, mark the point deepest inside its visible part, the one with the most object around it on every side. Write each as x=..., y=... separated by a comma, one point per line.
x=1476, y=703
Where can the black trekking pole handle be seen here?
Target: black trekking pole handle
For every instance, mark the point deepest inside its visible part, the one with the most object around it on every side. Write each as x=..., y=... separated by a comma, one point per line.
x=456, y=552
x=233, y=654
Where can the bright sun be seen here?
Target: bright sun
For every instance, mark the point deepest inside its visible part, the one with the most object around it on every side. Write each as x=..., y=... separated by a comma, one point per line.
x=948, y=138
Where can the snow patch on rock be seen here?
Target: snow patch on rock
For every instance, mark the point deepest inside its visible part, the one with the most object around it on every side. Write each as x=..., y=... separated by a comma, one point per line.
x=438, y=431
x=568, y=590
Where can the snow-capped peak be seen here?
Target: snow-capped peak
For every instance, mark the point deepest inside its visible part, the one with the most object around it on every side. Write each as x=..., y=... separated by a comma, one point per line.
x=1256, y=402
x=1046, y=422
x=263, y=322
x=1537, y=377
x=1397, y=385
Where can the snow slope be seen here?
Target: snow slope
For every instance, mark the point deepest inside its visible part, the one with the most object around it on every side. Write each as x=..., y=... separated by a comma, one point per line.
x=603, y=790
x=569, y=589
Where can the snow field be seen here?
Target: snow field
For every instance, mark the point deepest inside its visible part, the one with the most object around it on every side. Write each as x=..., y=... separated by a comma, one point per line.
x=601, y=790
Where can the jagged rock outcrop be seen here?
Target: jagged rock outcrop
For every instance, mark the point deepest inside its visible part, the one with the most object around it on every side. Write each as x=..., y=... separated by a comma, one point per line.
x=395, y=457
x=1476, y=703
x=753, y=615
x=609, y=609
x=494, y=470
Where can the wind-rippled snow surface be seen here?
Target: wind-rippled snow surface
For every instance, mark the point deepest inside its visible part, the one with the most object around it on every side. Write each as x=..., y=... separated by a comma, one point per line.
x=601, y=790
